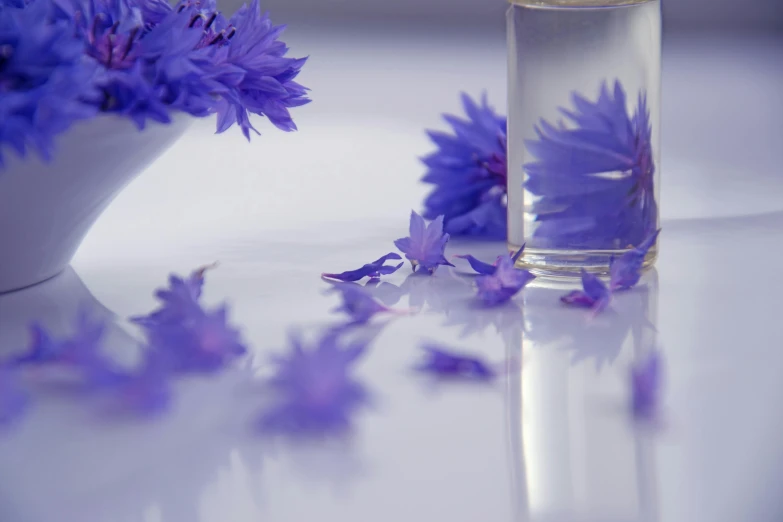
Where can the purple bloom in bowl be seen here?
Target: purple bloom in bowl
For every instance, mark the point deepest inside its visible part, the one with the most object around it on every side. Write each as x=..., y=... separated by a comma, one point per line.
x=372, y=270
x=425, y=247
x=255, y=72
x=45, y=77
x=67, y=60
x=314, y=388
x=469, y=173
x=594, y=183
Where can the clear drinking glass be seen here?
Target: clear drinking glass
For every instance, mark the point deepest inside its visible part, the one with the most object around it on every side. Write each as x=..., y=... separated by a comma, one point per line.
x=583, y=131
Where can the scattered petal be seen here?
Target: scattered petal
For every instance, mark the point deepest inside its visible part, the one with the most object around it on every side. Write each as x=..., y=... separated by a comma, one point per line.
x=594, y=295
x=504, y=283
x=626, y=270
x=480, y=267
x=646, y=386
x=426, y=245
x=191, y=338
x=316, y=391
x=204, y=342
x=372, y=270
x=179, y=301
x=443, y=362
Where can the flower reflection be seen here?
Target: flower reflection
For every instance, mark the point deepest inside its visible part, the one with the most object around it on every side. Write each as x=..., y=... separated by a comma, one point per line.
x=334, y=464
x=65, y=454
x=598, y=338
x=574, y=455
x=452, y=295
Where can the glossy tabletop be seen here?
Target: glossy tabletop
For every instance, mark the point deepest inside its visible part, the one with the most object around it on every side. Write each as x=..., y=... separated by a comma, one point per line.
x=550, y=441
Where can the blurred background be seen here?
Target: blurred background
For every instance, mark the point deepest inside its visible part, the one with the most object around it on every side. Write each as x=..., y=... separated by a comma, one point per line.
x=383, y=71
x=733, y=16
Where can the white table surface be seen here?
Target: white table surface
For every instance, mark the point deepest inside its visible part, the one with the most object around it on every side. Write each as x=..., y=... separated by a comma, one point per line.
x=550, y=443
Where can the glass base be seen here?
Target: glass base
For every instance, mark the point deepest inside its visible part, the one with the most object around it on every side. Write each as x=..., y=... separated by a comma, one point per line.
x=568, y=264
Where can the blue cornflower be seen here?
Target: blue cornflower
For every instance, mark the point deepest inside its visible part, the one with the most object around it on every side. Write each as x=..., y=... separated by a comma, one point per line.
x=156, y=59
x=250, y=63
x=469, y=173
x=146, y=70
x=594, y=183
x=44, y=77
x=316, y=392
x=426, y=245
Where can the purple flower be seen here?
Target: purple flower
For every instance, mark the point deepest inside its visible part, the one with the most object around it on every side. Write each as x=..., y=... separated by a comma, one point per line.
x=44, y=78
x=646, y=386
x=626, y=270
x=372, y=270
x=202, y=342
x=155, y=59
x=505, y=282
x=14, y=400
x=594, y=294
x=315, y=390
x=179, y=301
x=469, y=173
x=443, y=362
x=358, y=304
x=250, y=62
x=426, y=245
x=190, y=337
x=594, y=183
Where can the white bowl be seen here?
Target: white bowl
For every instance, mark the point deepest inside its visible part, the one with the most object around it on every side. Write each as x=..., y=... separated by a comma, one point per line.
x=46, y=209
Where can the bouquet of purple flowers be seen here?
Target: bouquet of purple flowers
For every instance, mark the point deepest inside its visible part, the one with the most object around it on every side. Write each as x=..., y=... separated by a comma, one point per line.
x=62, y=61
